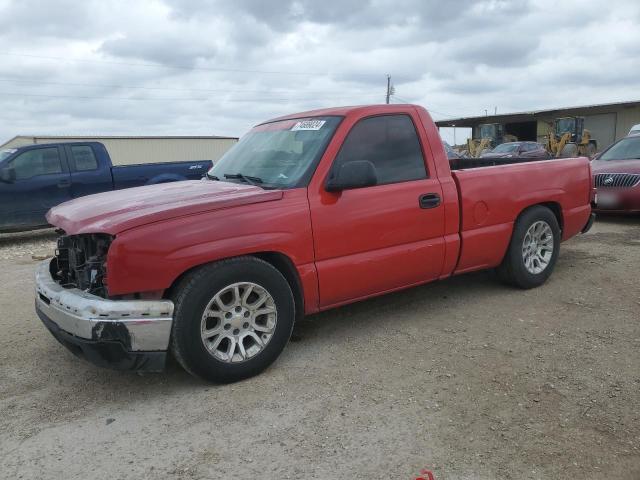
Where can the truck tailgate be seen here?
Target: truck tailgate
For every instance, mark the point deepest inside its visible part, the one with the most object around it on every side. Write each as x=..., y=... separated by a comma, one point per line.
x=491, y=198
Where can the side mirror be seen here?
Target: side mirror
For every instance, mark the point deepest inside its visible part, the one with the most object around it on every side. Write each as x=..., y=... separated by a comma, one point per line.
x=357, y=174
x=8, y=174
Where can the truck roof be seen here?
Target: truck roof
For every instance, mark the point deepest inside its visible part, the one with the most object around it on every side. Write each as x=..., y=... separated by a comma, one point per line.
x=51, y=144
x=343, y=111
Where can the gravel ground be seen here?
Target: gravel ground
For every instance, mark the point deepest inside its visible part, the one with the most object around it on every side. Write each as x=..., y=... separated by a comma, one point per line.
x=465, y=377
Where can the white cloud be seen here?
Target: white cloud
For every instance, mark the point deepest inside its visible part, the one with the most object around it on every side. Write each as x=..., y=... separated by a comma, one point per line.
x=215, y=67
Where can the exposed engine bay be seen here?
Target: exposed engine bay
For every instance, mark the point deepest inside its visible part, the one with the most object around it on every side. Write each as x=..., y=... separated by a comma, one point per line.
x=80, y=262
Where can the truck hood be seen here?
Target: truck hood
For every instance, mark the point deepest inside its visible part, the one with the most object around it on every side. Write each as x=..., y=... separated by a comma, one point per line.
x=615, y=166
x=115, y=212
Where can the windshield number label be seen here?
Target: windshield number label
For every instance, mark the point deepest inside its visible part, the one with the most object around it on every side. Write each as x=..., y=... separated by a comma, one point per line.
x=308, y=125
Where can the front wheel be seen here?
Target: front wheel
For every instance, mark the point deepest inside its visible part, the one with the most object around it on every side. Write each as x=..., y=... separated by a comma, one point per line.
x=232, y=319
x=534, y=248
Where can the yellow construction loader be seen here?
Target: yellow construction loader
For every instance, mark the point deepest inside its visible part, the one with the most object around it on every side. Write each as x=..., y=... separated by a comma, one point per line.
x=491, y=135
x=477, y=147
x=567, y=137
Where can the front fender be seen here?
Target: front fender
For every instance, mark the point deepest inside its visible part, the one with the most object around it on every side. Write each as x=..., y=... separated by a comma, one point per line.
x=151, y=257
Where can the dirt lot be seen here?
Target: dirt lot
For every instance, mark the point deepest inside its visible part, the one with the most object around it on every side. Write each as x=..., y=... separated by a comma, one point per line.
x=465, y=377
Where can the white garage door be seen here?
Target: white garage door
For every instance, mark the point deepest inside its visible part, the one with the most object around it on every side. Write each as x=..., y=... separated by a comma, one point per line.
x=602, y=128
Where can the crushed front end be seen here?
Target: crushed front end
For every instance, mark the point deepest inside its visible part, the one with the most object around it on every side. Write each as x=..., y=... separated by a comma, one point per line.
x=72, y=301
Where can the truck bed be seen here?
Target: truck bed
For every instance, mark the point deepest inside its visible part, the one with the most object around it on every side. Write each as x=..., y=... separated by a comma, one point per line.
x=125, y=176
x=466, y=163
x=492, y=196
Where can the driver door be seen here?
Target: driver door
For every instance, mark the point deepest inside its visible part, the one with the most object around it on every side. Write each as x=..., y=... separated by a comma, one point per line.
x=375, y=239
x=41, y=181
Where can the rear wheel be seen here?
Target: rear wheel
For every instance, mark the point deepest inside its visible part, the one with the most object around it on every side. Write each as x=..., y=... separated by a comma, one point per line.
x=534, y=248
x=232, y=319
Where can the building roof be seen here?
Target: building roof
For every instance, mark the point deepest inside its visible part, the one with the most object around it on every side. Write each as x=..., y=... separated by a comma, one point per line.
x=533, y=114
x=127, y=137
x=58, y=138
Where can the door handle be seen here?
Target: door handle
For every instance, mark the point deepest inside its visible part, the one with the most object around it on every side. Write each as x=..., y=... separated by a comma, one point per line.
x=429, y=200
x=64, y=183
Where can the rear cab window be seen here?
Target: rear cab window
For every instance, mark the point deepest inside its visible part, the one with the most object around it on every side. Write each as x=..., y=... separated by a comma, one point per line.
x=83, y=158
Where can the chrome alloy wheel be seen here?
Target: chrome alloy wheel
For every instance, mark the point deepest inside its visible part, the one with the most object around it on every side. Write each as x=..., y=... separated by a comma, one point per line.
x=238, y=322
x=537, y=247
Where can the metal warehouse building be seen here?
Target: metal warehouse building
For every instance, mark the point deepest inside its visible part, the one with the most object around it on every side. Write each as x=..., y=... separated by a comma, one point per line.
x=606, y=122
x=151, y=149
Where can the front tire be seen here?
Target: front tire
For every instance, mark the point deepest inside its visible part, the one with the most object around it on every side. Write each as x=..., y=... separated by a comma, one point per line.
x=232, y=319
x=533, y=250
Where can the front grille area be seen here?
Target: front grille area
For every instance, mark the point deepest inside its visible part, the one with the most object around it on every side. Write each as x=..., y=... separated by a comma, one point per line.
x=80, y=262
x=617, y=180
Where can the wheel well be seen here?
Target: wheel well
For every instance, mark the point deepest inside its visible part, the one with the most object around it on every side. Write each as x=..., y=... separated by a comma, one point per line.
x=279, y=261
x=555, y=208
x=288, y=270
x=557, y=211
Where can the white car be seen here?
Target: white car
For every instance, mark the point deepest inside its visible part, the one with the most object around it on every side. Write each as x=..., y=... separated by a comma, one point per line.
x=635, y=130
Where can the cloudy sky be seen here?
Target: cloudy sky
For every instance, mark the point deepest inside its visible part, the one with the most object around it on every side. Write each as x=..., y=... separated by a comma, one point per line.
x=217, y=67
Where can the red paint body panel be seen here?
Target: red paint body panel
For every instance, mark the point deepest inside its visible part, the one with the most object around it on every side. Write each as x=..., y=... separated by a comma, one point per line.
x=114, y=212
x=493, y=197
x=153, y=257
x=371, y=240
x=345, y=246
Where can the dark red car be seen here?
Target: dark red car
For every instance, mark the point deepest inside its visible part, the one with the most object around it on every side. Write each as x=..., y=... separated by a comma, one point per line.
x=616, y=173
x=518, y=149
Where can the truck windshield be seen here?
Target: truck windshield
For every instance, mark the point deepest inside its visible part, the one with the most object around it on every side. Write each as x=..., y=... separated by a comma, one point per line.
x=6, y=153
x=564, y=125
x=626, y=149
x=487, y=131
x=277, y=155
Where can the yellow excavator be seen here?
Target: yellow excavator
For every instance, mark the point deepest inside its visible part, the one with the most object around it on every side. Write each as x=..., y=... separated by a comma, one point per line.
x=491, y=135
x=567, y=137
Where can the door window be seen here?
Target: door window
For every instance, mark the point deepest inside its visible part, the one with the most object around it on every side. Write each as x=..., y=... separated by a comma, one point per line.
x=41, y=161
x=391, y=143
x=83, y=158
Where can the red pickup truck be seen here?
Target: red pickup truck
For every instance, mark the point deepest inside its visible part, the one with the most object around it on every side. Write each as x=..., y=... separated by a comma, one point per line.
x=306, y=213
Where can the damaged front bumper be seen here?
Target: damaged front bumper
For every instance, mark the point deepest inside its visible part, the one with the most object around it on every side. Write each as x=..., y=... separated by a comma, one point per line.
x=119, y=334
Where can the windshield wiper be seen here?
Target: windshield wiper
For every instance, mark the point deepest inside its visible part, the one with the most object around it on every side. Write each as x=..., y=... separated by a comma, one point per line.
x=211, y=177
x=246, y=178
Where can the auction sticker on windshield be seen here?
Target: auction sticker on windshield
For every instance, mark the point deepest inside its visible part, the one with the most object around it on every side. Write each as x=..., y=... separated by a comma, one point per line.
x=309, y=125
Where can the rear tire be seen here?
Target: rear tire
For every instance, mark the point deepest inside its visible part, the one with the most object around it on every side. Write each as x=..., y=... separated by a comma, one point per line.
x=533, y=250
x=232, y=319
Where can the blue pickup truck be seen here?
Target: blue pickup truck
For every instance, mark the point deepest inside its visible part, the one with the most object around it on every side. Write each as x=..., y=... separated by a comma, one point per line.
x=35, y=178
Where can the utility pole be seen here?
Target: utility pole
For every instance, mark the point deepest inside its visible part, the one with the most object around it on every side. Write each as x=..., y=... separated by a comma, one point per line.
x=390, y=89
